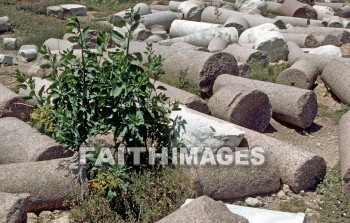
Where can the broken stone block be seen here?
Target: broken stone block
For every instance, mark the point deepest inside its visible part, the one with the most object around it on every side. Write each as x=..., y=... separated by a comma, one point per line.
x=249, y=108
x=7, y=60
x=239, y=23
x=19, y=142
x=27, y=53
x=294, y=21
x=292, y=105
x=66, y=10
x=10, y=43
x=13, y=207
x=5, y=24
x=195, y=130
x=49, y=183
x=60, y=44
x=203, y=209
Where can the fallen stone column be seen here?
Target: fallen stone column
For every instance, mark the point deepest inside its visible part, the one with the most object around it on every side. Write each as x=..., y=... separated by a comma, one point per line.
x=5, y=24
x=220, y=16
x=291, y=105
x=141, y=34
x=344, y=152
x=298, y=168
x=49, y=183
x=19, y=142
x=332, y=5
x=202, y=38
x=142, y=8
x=344, y=12
x=328, y=50
x=250, y=6
x=27, y=53
x=294, y=21
x=342, y=34
x=159, y=7
x=303, y=40
x=266, y=38
x=247, y=55
x=249, y=108
x=183, y=27
x=321, y=61
x=164, y=18
x=272, y=7
x=217, y=45
x=191, y=10
x=297, y=9
x=12, y=106
x=301, y=74
x=336, y=22
x=328, y=40
x=239, y=23
x=13, y=207
x=183, y=97
x=323, y=12
x=336, y=77
x=202, y=67
x=174, y=5
x=195, y=129
x=317, y=23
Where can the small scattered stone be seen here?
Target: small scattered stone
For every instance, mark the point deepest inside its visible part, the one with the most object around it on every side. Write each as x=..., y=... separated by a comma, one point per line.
x=7, y=60
x=253, y=202
x=286, y=189
x=318, y=144
x=10, y=43
x=281, y=194
x=302, y=193
x=46, y=215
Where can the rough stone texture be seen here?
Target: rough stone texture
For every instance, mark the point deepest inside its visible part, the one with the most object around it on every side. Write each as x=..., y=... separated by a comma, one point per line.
x=272, y=7
x=345, y=50
x=7, y=60
x=183, y=27
x=344, y=152
x=301, y=74
x=19, y=142
x=10, y=43
x=248, y=5
x=59, y=44
x=344, y=11
x=203, y=38
x=303, y=40
x=239, y=23
x=328, y=40
x=27, y=53
x=336, y=77
x=266, y=38
x=292, y=105
x=244, y=69
x=164, y=18
x=335, y=21
x=12, y=106
x=5, y=24
x=247, y=55
x=13, y=207
x=195, y=130
x=202, y=67
x=328, y=50
x=332, y=5
x=294, y=21
x=142, y=8
x=49, y=183
x=191, y=10
x=174, y=5
x=205, y=210
x=295, y=8
x=249, y=108
x=217, y=45
x=141, y=34
x=183, y=97
x=214, y=15
x=323, y=11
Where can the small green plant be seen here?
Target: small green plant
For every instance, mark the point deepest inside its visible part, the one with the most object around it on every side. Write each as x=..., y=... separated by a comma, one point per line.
x=336, y=205
x=294, y=205
x=268, y=72
x=182, y=78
